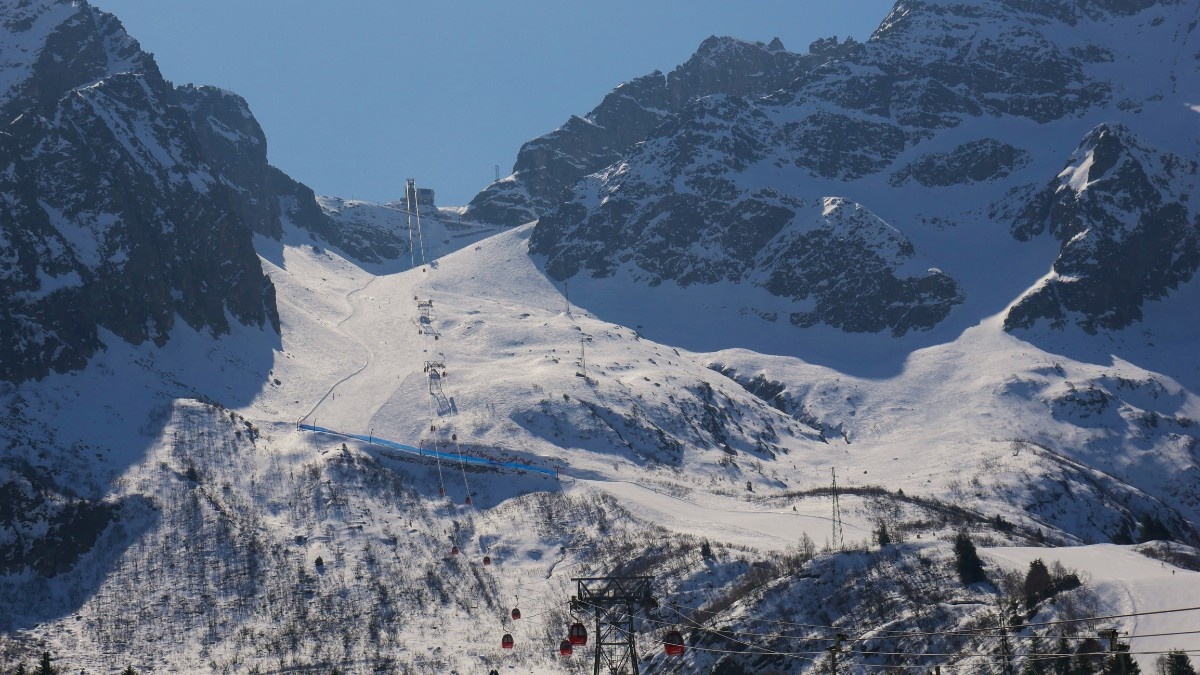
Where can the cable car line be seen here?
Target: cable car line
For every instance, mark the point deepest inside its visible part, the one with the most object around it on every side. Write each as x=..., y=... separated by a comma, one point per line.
x=972, y=631
x=462, y=465
x=724, y=634
x=804, y=654
x=880, y=636
x=966, y=631
x=437, y=455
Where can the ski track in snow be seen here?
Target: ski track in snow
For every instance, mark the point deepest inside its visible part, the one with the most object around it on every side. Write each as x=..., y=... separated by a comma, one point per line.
x=366, y=362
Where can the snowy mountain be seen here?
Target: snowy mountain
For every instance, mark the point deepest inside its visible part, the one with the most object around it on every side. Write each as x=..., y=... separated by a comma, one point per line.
x=552, y=163
x=949, y=127
x=952, y=266
x=128, y=203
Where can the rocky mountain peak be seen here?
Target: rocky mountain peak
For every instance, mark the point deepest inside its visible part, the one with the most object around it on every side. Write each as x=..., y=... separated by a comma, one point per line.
x=128, y=204
x=938, y=109
x=1122, y=211
x=551, y=163
x=50, y=47
x=725, y=65
x=1068, y=12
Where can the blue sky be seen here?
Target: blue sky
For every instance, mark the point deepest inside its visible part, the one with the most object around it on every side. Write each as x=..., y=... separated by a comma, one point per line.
x=357, y=95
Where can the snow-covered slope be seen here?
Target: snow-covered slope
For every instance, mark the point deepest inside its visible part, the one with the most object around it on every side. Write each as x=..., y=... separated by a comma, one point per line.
x=167, y=504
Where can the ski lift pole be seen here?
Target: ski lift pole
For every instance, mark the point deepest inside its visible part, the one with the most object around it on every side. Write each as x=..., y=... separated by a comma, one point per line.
x=834, y=651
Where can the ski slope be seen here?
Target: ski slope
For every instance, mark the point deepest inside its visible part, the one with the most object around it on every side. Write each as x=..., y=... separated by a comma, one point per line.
x=1127, y=583
x=729, y=520
x=528, y=379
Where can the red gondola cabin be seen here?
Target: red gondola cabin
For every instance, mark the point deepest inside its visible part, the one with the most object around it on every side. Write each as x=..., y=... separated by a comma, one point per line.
x=673, y=643
x=564, y=648
x=507, y=641
x=577, y=634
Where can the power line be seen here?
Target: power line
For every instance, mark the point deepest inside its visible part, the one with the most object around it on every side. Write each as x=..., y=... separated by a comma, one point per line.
x=971, y=631
x=728, y=635
x=967, y=631
x=763, y=651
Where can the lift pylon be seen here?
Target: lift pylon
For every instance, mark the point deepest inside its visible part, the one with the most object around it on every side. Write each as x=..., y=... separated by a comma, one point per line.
x=616, y=602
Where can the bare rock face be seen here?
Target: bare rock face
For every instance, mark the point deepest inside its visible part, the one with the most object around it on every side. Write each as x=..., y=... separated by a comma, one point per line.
x=974, y=162
x=1121, y=210
x=128, y=203
x=48, y=530
x=940, y=106
x=115, y=216
x=554, y=162
x=837, y=262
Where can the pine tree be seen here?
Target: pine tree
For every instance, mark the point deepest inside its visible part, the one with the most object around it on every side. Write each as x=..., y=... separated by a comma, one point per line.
x=966, y=559
x=1121, y=663
x=1089, y=658
x=1005, y=651
x=1152, y=529
x=129, y=671
x=1174, y=662
x=1082, y=665
x=1061, y=664
x=882, y=536
x=1037, y=582
x=21, y=670
x=1036, y=662
x=44, y=666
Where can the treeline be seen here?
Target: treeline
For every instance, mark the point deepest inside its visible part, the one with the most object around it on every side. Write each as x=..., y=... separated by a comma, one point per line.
x=46, y=666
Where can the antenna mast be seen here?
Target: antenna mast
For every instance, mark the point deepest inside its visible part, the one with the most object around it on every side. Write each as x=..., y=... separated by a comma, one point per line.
x=410, y=199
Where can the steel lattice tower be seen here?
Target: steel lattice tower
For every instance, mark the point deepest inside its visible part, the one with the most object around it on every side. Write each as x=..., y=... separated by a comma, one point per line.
x=616, y=603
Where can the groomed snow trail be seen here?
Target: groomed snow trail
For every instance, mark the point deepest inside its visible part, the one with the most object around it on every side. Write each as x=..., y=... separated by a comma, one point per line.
x=725, y=519
x=1127, y=582
x=506, y=341
x=366, y=350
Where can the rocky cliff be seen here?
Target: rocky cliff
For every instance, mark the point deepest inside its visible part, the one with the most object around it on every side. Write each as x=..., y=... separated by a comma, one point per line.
x=950, y=125
x=551, y=163
x=127, y=204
